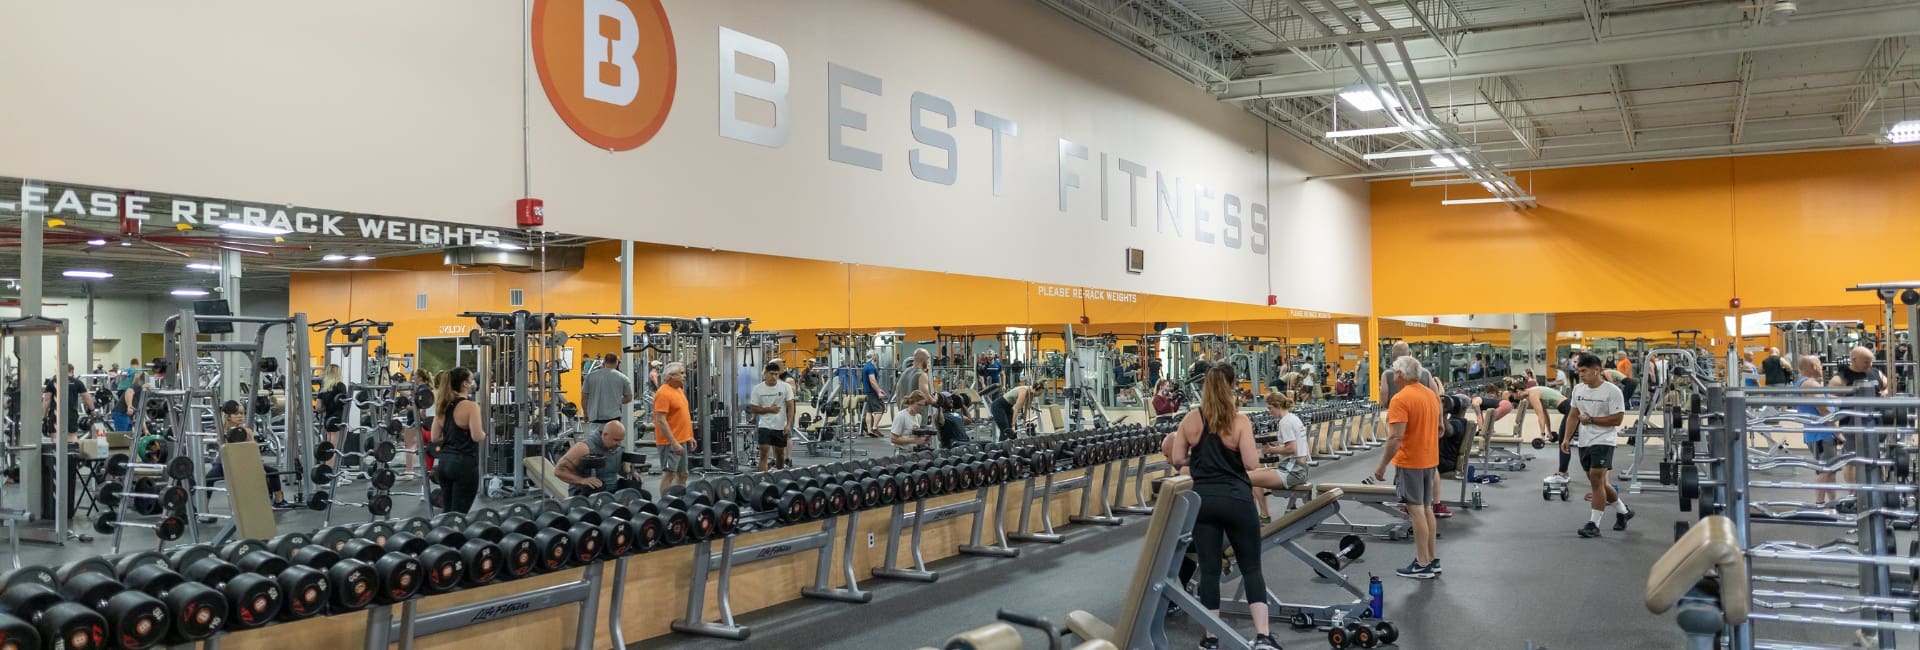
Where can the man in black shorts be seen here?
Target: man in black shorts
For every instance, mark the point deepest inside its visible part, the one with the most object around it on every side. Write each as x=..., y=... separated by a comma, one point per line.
x=772, y=400
x=1599, y=408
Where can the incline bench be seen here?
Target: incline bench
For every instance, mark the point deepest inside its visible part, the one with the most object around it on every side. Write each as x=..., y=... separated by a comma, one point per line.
x=1683, y=575
x=1379, y=496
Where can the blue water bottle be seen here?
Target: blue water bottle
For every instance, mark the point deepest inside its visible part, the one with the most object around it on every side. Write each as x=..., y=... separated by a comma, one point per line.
x=1377, y=592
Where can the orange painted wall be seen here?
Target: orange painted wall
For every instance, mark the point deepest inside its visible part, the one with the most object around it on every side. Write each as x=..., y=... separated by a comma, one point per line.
x=1781, y=230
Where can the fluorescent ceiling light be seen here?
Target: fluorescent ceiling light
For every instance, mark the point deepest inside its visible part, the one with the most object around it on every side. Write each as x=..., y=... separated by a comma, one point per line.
x=1384, y=130
x=361, y=258
x=1448, y=162
x=250, y=228
x=96, y=242
x=1904, y=132
x=1410, y=153
x=1363, y=98
x=91, y=275
x=333, y=257
x=202, y=266
x=190, y=293
x=1479, y=201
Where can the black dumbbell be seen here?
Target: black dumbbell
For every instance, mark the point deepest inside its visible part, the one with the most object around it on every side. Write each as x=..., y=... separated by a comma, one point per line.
x=285, y=545
x=481, y=530
x=553, y=547
x=134, y=619
x=351, y=582
x=517, y=556
x=252, y=599
x=199, y=611
x=378, y=531
x=303, y=588
x=443, y=566
x=483, y=559
x=1351, y=548
x=35, y=613
x=405, y=542
x=445, y=536
x=125, y=564
x=587, y=542
x=67, y=572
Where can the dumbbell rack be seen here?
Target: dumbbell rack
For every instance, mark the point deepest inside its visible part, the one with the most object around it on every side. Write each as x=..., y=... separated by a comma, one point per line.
x=169, y=526
x=706, y=561
x=326, y=480
x=922, y=515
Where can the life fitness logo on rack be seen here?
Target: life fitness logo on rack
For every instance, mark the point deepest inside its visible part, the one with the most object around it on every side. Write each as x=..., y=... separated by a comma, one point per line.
x=607, y=67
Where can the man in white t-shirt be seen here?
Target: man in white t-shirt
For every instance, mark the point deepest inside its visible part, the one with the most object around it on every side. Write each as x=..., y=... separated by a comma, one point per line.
x=1599, y=408
x=772, y=400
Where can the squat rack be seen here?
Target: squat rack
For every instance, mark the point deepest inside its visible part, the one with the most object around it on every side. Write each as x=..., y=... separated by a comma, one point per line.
x=34, y=326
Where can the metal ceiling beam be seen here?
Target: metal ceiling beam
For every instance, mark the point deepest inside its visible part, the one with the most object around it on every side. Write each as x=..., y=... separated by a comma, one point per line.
x=1337, y=39
x=1746, y=93
x=1503, y=99
x=1413, y=7
x=1175, y=58
x=1275, y=31
x=1496, y=58
x=1874, y=79
x=1715, y=151
x=1619, y=84
x=1595, y=17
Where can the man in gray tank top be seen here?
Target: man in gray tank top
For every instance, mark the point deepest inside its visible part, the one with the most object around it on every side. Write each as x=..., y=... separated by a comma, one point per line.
x=594, y=464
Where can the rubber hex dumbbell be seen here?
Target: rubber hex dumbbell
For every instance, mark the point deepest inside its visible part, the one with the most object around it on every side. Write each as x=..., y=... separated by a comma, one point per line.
x=552, y=544
x=352, y=583
x=52, y=620
x=199, y=611
x=252, y=599
x=443, y=566
x=304, y=588
x=134, y=619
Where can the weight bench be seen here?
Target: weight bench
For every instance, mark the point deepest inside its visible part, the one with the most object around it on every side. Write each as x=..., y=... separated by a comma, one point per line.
x=1001, y=636
x=540, y=470
x=1282, y=532
x=1683, y=577
x=1378, y=496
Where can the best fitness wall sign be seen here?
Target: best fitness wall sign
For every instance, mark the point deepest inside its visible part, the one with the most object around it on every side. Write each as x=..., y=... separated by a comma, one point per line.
x=608, y=68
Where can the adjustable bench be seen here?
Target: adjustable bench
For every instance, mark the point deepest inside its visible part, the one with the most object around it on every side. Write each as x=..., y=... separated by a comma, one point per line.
x=1379, y=496
x=1684, y=577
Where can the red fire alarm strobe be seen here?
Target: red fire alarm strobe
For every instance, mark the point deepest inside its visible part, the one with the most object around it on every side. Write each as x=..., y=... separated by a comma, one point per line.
x=1272, y=300
x=530, y=213
x=1734, y=303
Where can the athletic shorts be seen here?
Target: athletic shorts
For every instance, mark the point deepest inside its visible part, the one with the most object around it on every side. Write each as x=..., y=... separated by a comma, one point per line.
x=672, y=462
x=1594, y=457
x=1824, y=451
x=1415, y=486
x=873, y=404
x=771, y=437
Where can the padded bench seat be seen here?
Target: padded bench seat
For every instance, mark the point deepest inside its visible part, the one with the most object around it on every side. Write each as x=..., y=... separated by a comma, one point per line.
x=1354, y=489
x=1712, y=544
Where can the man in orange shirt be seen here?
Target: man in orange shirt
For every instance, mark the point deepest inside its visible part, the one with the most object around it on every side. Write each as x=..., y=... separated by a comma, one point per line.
x=1621, y=363
x=1413, y=445
x=672, y=425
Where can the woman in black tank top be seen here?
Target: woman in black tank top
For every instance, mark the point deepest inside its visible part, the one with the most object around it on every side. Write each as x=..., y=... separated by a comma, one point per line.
x=1215, y=444
x=457, y=463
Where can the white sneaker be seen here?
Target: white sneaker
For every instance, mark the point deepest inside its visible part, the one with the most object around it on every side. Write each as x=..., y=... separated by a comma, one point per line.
x=1556, y=480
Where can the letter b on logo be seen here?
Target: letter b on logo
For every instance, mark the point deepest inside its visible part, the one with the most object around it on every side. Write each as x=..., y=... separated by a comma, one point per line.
x=618, y=94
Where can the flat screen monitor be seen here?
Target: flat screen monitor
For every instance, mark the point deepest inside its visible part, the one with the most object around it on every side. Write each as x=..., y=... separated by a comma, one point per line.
x=213, y=308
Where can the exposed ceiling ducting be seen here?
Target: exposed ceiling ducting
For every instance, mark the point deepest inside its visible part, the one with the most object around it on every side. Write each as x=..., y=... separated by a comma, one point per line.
x=551, y=258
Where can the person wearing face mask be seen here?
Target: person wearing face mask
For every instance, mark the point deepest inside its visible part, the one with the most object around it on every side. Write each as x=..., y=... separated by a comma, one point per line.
x=457, y=431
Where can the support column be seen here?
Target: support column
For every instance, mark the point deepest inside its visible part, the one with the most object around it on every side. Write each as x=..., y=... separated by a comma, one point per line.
x=86, y=352
x=232, y=373
x=33, y=370
x=636, y=375
x=1369, y=348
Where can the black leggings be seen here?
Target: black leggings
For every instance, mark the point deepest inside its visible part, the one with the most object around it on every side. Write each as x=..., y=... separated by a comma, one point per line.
x=1223, y=521
x=460, y=478
x=1003, y=417
x=1566, y=457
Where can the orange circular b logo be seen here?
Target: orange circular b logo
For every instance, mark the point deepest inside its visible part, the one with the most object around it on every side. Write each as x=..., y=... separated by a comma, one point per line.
x=607, y=67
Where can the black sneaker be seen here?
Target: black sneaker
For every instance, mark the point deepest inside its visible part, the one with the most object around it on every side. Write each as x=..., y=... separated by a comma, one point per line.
x=1620, y=520
x=1210, y=643
x=1589, y=530
x=1414, y=570
x=1265, y=642
x=1434, y=566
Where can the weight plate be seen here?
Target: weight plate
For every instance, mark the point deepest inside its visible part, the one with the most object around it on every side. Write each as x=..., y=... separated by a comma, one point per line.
x=379, y=505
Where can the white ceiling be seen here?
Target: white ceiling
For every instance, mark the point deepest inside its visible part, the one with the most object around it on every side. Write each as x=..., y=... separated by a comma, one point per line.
x=1543, y=83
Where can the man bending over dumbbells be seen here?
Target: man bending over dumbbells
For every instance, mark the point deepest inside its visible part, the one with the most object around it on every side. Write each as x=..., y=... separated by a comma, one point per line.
x=594, y=464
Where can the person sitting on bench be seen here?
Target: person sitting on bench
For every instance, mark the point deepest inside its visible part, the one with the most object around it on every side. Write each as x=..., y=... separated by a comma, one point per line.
x=907, y=430
x=234, y=424
x=1291, y=447
x=594, y=464
x=1215, y=444
x=1163, y=402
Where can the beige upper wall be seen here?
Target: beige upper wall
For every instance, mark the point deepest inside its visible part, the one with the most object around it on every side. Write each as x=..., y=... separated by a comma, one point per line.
x=414, y=109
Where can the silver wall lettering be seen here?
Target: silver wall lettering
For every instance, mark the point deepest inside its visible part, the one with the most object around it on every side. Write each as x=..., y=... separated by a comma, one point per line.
x=1202, y=232
x=1067, y=178
x=733, y=85
x=1135, y=173
x=938, y=139
x=1166, y=204
x=1230, y=217
x=840, y=118
x=1259, y=218
x=999, y=126
x=1103, y=187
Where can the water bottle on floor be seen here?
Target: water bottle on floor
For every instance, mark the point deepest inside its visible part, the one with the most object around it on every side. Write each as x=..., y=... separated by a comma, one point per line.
x=1377, y=592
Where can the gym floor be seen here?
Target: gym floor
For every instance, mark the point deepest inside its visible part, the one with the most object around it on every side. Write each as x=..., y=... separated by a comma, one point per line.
x=1515, y=573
